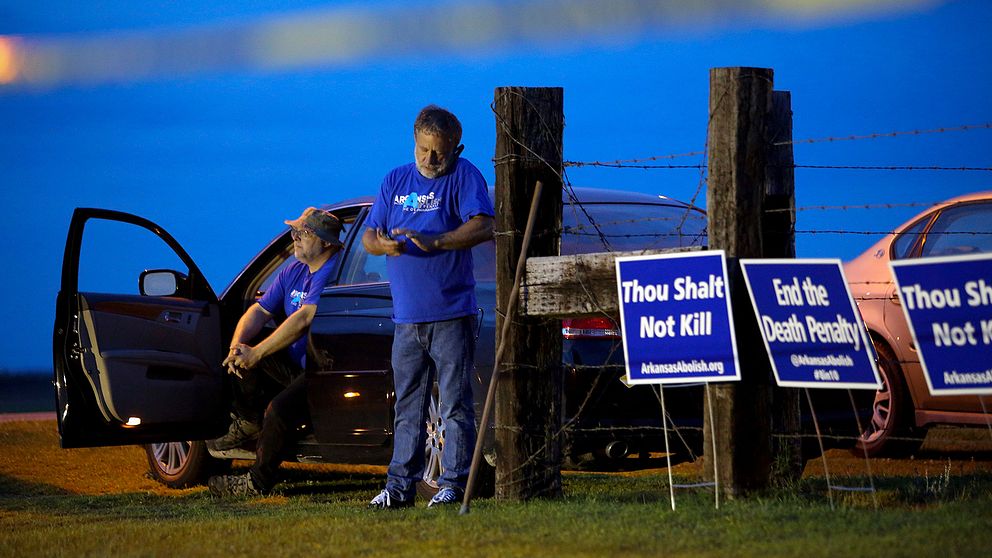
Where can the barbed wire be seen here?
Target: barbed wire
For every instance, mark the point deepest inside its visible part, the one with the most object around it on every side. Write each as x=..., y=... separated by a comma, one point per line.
x=700, y=429
x=795, y=166
x=703, y=234
x=636, y=162
x=855, y=206
x=629, y=165
x=883, y=232
x=639, y=160
x=892, y=168
x=546, y=128
x=573, y=202
x=582, y=420
x=578, y=434
x=941, y=130
x=692, y=236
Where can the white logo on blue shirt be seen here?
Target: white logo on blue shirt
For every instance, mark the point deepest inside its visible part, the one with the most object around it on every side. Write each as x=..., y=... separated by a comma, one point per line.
x=418, y=202
x=297, y=297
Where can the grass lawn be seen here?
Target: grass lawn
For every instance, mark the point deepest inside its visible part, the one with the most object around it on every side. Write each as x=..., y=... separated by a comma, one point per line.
x=97, y=502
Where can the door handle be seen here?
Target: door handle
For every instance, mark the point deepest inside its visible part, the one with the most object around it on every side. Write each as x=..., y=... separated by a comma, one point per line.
x=172, y=317
x=895, y=298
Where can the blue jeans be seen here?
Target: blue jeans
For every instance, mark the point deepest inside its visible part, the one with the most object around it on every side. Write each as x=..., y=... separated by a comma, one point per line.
x=420, y=352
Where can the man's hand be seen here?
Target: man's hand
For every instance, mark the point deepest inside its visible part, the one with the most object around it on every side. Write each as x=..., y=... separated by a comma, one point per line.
x=390, y=246
x=247, y=357
x=240, y=358
x=426, y=242
x=229, y=362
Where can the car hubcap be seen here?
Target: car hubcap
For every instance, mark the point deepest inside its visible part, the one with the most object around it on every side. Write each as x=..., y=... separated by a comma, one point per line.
x=435, y=444
x=171, y=457
x=881, y=410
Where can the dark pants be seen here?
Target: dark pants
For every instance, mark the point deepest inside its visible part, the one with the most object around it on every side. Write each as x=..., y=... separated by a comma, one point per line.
x=261, y=384
x=286, y=411
x=283, y=416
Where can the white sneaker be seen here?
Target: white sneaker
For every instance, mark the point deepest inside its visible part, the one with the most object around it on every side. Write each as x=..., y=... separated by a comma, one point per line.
x=445, y=496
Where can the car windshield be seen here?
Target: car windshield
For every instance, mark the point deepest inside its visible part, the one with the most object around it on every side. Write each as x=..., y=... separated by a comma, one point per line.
x=614, y=227
x=620, y=227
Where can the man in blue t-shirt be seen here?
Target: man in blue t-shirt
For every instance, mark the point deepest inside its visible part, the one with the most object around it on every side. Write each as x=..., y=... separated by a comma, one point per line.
x=426, y=219
x=280, y=358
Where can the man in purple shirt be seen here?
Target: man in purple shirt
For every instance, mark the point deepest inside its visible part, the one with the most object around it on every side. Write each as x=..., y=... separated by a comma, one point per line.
x=280, y=358
x=426, y=218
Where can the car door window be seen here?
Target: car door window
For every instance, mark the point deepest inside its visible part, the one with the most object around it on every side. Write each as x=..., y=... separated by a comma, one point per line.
x=361, y=267
x=902, y=246
x=287, y=258
x=114, y=254
x=963, y=229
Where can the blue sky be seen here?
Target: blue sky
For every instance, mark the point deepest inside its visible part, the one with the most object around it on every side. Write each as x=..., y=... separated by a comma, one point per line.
x=222, y=156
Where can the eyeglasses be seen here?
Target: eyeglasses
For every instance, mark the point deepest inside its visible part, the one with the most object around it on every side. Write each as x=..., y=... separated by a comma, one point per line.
x=301, y=234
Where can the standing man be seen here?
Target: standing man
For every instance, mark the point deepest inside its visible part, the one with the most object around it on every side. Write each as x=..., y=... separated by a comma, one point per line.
x=427, y=217
x=278, y=361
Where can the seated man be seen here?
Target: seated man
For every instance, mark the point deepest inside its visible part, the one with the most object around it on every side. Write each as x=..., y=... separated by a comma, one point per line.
x=280, y=358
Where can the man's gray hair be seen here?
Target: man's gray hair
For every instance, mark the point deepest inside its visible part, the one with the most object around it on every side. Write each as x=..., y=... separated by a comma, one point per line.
x=436, y=121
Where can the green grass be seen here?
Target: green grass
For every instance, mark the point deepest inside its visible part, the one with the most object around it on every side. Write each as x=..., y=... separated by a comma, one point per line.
x=321, y=511
x=600, y=516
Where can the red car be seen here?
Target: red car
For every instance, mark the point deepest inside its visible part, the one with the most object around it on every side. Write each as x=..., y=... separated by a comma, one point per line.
x=904, y=408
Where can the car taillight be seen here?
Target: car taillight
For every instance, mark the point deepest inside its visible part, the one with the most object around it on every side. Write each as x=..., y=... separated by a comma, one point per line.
x=589, y=328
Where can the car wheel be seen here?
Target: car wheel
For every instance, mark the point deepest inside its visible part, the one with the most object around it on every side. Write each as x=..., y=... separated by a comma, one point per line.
x=890, y=429
x=434, y=450
x=182, y=464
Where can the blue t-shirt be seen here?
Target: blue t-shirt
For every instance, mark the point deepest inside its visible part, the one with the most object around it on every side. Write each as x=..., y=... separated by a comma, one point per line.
x=438, y=285
x=291, y=289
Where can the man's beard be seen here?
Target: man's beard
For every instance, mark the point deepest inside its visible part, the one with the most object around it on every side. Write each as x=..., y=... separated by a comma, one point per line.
x=432, y=171
x=428, y=171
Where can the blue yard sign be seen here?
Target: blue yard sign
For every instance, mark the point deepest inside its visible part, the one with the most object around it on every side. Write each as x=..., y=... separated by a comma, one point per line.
x=948, y=303
x=810, y=325
x=675, y=318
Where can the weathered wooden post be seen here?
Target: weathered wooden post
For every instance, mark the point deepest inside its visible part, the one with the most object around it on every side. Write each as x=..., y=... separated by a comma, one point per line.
x=779, y=238
x=779, y=241
x=529, y=127
x=738, y=136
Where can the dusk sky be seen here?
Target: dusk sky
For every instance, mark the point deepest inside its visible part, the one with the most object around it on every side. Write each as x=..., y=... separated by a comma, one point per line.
x=220, y=120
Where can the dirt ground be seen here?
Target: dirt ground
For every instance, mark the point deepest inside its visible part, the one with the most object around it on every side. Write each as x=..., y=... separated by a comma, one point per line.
x=32, y=452
x=946, y=450
x=28, y=428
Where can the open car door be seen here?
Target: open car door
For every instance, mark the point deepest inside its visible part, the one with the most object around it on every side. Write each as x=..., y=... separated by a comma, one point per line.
x=137, y=337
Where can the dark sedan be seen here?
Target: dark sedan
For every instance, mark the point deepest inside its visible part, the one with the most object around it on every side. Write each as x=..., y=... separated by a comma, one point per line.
x=142, y=366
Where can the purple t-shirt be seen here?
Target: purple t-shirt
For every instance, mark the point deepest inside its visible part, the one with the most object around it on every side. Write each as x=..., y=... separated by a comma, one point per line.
x=291, y=289
x=438, y=285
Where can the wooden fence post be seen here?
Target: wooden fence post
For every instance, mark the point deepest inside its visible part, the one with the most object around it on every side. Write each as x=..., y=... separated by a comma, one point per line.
x=529, y=126
x=779, y=241
x=738, y=146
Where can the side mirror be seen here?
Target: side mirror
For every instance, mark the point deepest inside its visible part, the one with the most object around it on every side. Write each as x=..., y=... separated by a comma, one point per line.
x=160, y=282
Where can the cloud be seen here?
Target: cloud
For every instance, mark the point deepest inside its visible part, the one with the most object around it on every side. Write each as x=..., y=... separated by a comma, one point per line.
x=342, y=36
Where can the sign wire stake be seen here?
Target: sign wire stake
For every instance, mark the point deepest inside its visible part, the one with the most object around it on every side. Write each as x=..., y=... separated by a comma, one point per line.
x=823, y=452
x=871, y=478
x=716, y=469
x=668, y=455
